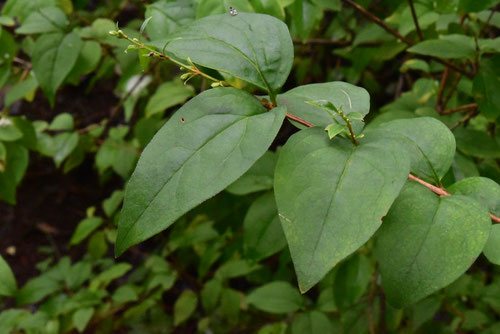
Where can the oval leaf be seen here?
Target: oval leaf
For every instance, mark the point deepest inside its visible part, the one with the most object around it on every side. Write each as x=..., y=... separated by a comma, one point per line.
x=210, y=142
x=256, y=48
x=276, y=297
x=482, y=189
x=431, y=145
x=54, y=56
x=437, y=239
x=331, y=196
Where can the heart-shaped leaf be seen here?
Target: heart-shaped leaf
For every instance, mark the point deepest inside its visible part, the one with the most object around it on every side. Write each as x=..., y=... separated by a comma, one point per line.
x=331, y=196
x=210, y=142
x=426, y=242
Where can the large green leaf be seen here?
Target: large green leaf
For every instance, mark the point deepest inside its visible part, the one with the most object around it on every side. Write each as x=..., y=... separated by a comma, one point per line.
x=447, y=46
x=477, y=143
x=211, y=141
x=256, y=48
x=263, y=234
x=341, y=94
x=167, y=95
x=426, y=242
x=430, y=144
x=331, y=196
x=54, y=56
x=166, y=16
x=47, y=19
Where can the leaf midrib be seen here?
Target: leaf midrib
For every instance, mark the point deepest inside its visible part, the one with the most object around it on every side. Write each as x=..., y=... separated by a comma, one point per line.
x=245, y=117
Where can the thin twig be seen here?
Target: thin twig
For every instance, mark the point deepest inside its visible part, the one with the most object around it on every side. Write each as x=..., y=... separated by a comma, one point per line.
x=378, y=21
x=322, y=41
x=415, y=20
x=465, y=107
x=299, y=120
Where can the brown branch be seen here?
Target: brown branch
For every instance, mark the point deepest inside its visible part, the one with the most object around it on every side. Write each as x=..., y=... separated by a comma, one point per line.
x=415, y=20
x=433, y=188
x=299, y=120
x=465, y=107
x=322, y=41
x=442, y=192
x=378, y=21
x=437, y=190
x=400, y=37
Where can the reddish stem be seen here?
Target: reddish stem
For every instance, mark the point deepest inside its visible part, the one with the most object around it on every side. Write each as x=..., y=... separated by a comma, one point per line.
x=437, y=190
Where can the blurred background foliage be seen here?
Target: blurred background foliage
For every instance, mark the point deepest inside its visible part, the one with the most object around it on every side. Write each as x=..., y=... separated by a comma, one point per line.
x=76, y=111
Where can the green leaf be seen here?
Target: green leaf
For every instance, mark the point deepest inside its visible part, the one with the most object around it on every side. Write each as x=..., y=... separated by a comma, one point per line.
x=447, y=47
x=54, y=56
x=8, y=130
x=491, y=249
x=276, y=297
x=21, y=90
x=82, y=317
x=125, y=294
x=184, y=306
x=263, y=235
x=167, y=95
x=477, y=143
x=84, y=229
x=23, y=8
x=210, y=142
x=430, y=145
x=351, y=280
x=484, y=87
x=235, y=268
x=111, y=204
x=334, y=129
x=210, y=294
x=8, y=284
x=44, y=20
x=87, y=61
x=256, y=48
x=8, y=50
x=104, y=278
x=64, y=144
x=341, y=94
x=15, y=167
x=313, y=322
x=259, y=177
x=437, y=239
x=331, y=196
x=485, y=191
x=37, y=289
x=166, y=16
x=62, y=122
